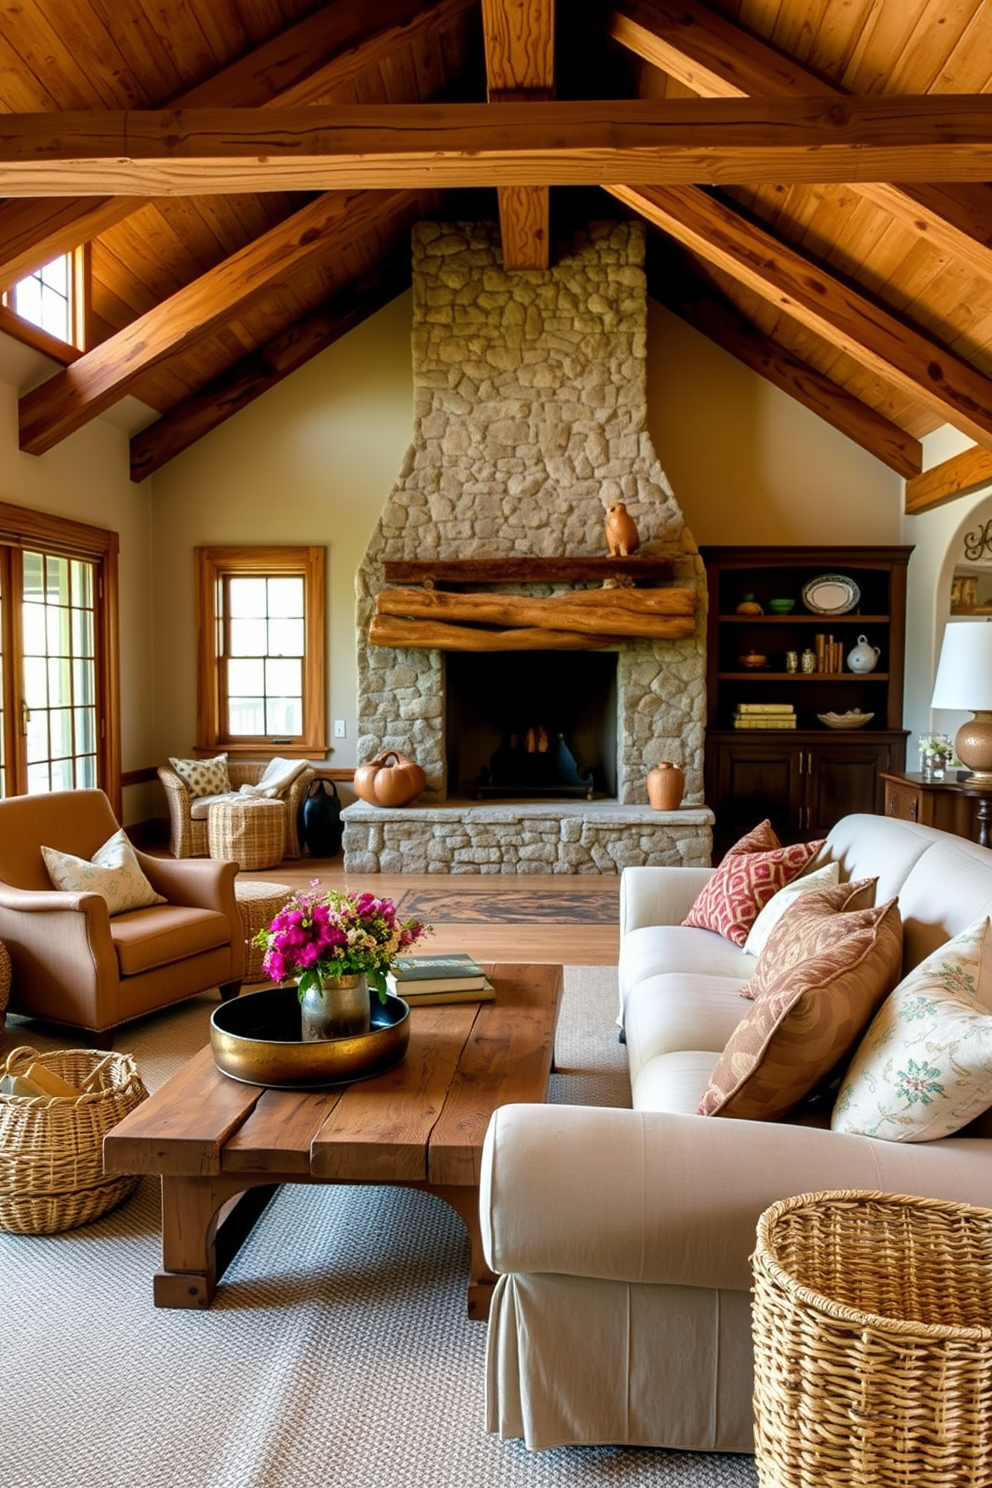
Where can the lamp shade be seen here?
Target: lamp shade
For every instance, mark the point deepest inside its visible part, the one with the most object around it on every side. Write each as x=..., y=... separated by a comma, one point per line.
x=964, y=672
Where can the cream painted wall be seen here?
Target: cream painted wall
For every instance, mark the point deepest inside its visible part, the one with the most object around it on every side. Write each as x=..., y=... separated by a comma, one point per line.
x=938, y=538
x=86, y=478
x=312, y=461
x=747, y=463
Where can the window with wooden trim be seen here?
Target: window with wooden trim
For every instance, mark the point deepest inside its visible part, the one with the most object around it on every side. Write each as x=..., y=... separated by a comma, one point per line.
x=59, y=660
x=261, y=670
x=48, y=308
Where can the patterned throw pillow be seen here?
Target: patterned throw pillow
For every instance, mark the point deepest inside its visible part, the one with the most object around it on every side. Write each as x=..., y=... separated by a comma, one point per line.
x=204, y=777
x=795, y=1034
x=113, y=871
x=806, y=929
x=924, y=1068
x=768, y=918
x=745, y=881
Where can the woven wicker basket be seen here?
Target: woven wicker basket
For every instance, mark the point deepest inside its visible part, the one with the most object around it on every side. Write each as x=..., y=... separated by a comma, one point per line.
x=873, y=1343
x=51, y=1147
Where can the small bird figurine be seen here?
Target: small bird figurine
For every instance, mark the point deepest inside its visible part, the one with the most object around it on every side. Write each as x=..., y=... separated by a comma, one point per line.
x=621, y=531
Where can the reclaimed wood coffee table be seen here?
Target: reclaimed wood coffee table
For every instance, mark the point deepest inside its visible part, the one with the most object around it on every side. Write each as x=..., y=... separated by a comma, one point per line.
x=222, y=1147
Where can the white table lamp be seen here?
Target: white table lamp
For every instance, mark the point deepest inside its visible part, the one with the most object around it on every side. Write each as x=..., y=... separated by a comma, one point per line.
x=964, y=681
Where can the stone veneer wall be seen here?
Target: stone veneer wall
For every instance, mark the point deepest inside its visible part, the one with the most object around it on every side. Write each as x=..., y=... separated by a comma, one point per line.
x=529, y=421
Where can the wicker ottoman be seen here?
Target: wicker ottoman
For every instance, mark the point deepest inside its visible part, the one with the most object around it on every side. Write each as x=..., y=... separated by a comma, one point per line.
x=251, y=833
x=258, y=903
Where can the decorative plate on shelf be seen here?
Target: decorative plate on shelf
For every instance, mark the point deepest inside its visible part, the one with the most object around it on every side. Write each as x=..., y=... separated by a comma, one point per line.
x=831, y=594
x=852, y=719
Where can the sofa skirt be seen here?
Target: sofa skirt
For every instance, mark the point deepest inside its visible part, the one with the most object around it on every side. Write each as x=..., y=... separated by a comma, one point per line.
x=674, y=1365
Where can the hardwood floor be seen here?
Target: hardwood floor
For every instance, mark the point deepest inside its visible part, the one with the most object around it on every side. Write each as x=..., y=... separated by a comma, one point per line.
x=584, y=933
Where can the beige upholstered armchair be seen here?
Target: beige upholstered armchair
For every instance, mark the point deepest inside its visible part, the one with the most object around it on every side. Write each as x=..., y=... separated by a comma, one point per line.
x=188, y=816
x=73, y=962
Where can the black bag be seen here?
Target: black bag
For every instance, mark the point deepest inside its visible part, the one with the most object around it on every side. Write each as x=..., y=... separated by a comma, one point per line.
x=321, y=826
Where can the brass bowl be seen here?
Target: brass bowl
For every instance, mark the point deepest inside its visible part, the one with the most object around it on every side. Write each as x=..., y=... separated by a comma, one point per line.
x=753, y=660
x=256, y=1039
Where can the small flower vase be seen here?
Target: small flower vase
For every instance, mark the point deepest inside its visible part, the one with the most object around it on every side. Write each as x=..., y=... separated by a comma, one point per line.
x=337, y=1008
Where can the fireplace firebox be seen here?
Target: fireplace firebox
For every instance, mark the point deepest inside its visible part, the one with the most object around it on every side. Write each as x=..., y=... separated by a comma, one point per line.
x=533, y=724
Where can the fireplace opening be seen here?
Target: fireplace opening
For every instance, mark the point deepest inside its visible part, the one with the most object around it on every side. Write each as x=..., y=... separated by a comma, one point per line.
x=539, y=724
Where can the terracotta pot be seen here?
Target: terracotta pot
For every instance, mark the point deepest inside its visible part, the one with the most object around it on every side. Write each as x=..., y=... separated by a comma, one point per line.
x=666, y=782
x=390, y=780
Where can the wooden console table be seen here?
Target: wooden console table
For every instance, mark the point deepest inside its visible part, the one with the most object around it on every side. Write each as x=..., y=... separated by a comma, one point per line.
x=947, y=804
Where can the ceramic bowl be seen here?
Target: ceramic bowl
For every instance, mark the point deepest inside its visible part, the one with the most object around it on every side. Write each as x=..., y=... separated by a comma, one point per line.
x=753, y=660
x=781, y=606
x=852, y=719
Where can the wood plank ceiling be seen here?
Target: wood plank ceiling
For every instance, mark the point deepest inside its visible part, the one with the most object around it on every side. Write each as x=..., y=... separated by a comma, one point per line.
x=242, y=175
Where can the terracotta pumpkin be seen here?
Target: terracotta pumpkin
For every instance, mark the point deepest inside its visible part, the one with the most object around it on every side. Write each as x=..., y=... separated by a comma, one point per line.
x=390, y=780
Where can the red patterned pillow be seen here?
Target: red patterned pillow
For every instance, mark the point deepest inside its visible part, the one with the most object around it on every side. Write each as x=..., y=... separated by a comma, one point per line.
x=745, y=881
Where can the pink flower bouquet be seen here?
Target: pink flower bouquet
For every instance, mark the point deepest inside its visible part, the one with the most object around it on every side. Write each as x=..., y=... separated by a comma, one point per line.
x=335, y=934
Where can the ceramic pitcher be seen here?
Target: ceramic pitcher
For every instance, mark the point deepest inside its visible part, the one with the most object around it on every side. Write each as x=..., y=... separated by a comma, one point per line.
x=862, y=657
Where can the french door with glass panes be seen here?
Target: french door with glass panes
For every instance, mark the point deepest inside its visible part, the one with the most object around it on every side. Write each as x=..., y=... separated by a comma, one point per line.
x=57, y=663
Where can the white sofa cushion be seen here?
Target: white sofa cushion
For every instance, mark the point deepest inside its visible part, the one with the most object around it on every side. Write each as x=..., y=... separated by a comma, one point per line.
x=680, y=1010
x=656, y=949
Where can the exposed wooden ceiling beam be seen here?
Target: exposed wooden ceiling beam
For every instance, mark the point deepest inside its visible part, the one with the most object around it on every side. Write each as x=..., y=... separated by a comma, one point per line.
x=519, y=38
x=717, y=59
x=948, y=480
x=297, y=67
x=805, y=290
x=633, y=142
x=183, y=425
x=700, y=306
x=102, y=376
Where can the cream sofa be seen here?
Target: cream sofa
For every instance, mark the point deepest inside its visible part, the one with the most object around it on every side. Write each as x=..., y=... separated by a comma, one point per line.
x=623, y=1237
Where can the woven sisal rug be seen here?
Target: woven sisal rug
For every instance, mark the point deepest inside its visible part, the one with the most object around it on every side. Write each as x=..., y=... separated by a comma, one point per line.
x=337, y=1353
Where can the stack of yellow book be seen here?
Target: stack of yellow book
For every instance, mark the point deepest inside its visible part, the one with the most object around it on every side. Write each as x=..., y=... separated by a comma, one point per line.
x=765, y=716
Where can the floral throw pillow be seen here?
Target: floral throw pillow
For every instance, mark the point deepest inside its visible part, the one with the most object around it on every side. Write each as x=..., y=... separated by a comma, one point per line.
x=204, y=777
x=113, y=871
x=745, y=881
x=793, y=1037
x=924, y=1068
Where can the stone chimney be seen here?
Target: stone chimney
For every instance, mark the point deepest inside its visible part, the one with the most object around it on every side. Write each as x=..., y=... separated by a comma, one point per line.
x=529, y=422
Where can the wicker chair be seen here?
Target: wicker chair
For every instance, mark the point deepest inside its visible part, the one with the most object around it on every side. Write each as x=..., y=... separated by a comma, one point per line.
x=188, y=833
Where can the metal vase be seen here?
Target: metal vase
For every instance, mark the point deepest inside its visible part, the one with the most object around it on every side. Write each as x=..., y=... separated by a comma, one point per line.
x=338, y=1008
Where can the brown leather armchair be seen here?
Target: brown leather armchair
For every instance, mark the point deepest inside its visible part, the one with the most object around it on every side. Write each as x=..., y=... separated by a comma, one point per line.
x=74, y=963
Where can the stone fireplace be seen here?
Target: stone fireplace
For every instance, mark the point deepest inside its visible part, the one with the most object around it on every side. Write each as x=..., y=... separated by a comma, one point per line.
x=529, y=422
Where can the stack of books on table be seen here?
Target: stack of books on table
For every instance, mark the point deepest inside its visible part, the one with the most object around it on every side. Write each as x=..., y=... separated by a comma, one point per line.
x=426, y=981
x=765, y=716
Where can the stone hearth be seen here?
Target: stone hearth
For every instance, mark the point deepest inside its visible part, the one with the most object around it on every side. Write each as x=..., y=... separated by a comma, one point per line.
x=529, y=421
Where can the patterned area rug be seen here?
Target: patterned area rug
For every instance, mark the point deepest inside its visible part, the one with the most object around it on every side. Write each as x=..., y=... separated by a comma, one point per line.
x=598, y=906
x=337, y=1352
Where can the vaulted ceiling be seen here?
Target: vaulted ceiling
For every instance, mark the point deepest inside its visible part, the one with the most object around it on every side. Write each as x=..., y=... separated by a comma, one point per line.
x=242, y=176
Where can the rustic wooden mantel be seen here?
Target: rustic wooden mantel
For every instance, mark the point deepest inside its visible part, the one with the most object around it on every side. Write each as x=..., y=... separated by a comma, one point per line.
x=431, y=571
x=578, y=619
